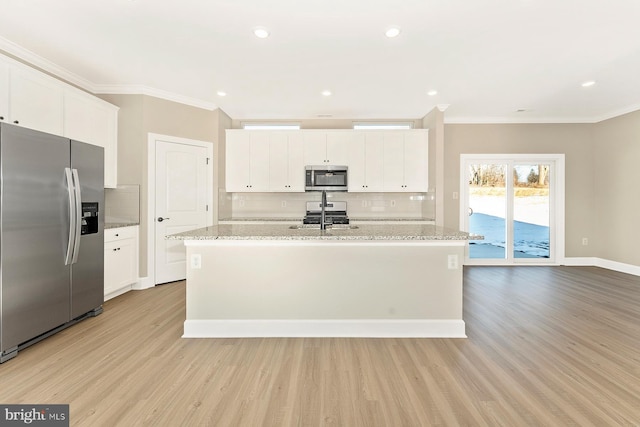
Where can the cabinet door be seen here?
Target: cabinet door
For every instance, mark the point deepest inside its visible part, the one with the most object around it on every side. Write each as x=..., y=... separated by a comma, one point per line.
x=119, y=264
x=315, y=148
x=4, y=92
x=374, y=161
x=393, y=170
x=237, y=161
x=35, y=100
x=338, y=147
x=93, y=121
x=296, y=162
x=278, y=162
x=416, y=162
x=357, y=163
x=259, y=161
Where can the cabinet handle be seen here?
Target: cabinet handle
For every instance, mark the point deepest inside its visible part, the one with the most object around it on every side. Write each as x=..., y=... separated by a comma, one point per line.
x=16, y=122
x=116, y=249
x=160, y=219
x=1, y=117
x=117, y=235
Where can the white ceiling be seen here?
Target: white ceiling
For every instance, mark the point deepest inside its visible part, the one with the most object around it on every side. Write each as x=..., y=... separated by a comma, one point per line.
x=486, y=58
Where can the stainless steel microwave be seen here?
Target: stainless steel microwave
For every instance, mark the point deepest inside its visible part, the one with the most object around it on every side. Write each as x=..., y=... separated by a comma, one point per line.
x=326, y=177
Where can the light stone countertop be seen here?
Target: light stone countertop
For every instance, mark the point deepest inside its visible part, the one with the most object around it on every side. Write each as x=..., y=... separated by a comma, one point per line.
x=108, y=225
x=258, y=219
x=285, y=232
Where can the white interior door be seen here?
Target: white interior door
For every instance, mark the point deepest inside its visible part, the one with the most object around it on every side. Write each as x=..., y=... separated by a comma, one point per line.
x=180, y=203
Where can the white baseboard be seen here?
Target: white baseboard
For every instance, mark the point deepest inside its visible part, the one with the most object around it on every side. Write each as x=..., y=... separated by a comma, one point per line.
x=366, y=328
x=603, y=263
x=119, y=292
x=143, y=283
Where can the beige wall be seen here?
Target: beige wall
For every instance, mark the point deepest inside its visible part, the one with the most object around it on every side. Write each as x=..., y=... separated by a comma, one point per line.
x=140, y=115
x=576, y=141
x=617, y=194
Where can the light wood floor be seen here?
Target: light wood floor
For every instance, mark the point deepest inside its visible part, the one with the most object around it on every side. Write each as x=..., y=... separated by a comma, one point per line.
x=547, y=346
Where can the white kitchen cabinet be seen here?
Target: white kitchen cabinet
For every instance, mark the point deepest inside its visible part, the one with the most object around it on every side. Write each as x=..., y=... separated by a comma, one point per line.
x=366, y=162
x=92, y=120
x=4, y=92
x=326, y=147
x=405, y=162
x=38, y=101
x=120, y=260
x=247, y=161
x=286, y=162
x=35, y=100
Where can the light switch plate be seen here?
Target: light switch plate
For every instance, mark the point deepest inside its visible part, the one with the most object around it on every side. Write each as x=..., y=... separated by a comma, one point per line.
x=196, y=261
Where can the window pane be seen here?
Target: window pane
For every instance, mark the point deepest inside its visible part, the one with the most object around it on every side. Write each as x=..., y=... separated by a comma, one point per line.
x=488, y=210
x=531, y=211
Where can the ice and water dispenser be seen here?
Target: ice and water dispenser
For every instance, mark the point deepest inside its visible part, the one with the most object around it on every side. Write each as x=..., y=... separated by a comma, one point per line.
x=89, y=218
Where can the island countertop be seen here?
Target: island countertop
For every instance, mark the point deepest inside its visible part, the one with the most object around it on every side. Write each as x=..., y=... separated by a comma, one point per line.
x=285, y=232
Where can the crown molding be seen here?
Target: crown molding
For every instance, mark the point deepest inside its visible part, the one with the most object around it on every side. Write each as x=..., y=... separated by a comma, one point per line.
x=157, y=93
x=617, y=113
x=511, y=120
x=31, y=59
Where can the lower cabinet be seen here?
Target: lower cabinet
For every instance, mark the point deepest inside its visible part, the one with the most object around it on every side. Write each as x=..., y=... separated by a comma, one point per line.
x=120, y=260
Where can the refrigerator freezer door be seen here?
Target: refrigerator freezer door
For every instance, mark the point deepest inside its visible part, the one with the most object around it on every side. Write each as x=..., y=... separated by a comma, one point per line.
x=87, y=273
x=34, y=232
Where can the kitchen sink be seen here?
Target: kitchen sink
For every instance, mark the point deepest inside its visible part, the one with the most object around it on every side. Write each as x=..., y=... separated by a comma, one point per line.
x=332, y=227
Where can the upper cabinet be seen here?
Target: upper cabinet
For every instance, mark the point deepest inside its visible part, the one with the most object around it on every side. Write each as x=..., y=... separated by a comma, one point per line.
x=92, y=120
x=4, y=92
x=405, y=161
x=366, y=162
x=38, y=101
x=35, y=100
x=324, y=147
x=247, y=161
x=286, y=162
x=378, y=161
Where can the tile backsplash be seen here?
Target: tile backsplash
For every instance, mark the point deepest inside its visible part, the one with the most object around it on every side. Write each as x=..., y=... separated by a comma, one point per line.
x=122, y=204
x=359, y=205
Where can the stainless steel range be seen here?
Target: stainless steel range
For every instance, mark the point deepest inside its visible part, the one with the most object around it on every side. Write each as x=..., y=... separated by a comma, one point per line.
x=335, y=213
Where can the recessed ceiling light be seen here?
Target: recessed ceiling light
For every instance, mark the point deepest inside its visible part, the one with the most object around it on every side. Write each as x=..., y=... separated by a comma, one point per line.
x=392, y=32
x=432, y=92
x=261, y=32
x=589, y=83
x=222, y=93
x=326, y=93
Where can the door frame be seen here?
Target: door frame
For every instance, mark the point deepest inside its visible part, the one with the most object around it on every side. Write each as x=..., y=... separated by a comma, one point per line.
x=556, y=213
x=153, y=138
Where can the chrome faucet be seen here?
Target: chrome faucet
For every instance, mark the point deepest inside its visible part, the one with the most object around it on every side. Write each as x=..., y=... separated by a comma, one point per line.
x=323, y=204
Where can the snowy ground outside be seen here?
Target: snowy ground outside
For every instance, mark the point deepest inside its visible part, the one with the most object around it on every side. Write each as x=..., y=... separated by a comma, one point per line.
x=531, y=226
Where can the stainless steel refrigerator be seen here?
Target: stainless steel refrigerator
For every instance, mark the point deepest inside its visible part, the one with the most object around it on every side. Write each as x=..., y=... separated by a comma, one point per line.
x=51, y=235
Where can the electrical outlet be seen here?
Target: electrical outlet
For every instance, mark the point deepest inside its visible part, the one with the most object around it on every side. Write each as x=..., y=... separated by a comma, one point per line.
x=585, y=241
x=452, y=262
x=283, y=204
x=393, y=203
x=364, y=203
x=455, y=195
x=196, y=261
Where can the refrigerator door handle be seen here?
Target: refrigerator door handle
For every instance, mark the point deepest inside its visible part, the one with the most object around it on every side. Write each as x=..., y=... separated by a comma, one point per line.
x=78, y=224
x=72, y=216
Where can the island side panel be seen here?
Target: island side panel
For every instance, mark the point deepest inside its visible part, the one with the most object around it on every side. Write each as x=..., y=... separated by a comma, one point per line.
x=326, y=281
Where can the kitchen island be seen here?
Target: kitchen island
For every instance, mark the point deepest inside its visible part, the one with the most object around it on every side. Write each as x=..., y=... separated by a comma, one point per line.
x=280, y=281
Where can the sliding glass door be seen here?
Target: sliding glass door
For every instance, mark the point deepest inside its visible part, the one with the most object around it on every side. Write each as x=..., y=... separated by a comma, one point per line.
x=511, y=201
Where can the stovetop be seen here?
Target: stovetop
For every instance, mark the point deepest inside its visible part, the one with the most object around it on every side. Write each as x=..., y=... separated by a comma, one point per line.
x=335, y=213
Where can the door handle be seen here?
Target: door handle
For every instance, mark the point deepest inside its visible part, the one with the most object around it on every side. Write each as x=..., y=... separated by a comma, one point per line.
x=160, y=219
